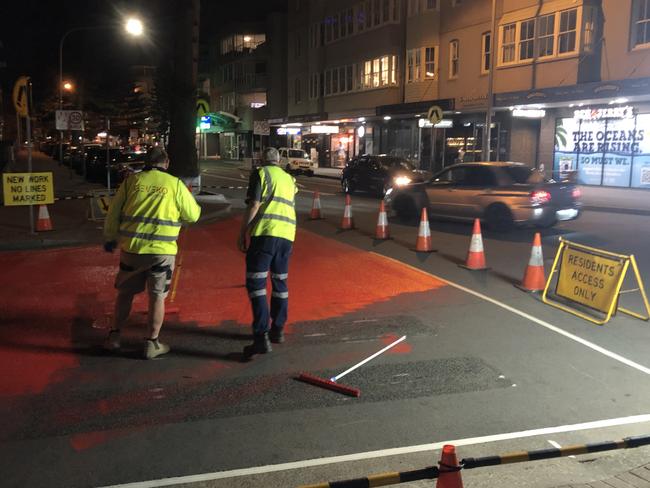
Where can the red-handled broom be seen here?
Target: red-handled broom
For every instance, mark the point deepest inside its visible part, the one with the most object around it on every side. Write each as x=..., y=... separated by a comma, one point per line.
x=332, y=384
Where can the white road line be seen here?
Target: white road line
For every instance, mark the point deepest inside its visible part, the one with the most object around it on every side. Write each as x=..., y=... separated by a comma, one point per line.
x=307, y=463
x=543, y=323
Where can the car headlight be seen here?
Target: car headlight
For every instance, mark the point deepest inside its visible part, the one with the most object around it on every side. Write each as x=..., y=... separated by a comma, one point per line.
x=402, y=180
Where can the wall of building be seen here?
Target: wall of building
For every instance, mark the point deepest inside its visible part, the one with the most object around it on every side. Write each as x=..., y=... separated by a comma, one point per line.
x=621, y=59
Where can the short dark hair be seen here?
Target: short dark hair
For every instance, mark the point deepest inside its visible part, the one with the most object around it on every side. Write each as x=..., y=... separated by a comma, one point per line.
x=156, y=156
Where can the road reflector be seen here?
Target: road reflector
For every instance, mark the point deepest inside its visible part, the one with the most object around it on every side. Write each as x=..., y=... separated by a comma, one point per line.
x=592, y=279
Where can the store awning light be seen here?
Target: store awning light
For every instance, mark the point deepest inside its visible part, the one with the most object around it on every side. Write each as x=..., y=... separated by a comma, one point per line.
x=529, y=113
x=324, y=129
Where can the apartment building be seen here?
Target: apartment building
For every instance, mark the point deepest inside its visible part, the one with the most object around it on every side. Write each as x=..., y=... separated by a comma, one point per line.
x=246, y=85
x=570, y=83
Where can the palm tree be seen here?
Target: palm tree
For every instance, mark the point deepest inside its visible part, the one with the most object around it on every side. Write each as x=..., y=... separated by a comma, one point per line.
x=560, y=135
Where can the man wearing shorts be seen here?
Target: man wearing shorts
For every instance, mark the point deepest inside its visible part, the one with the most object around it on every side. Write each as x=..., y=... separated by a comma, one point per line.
x=145, y=216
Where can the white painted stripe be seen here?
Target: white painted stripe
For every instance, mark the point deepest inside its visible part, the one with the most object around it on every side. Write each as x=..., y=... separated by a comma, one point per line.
x=235, y=473
x=543, y=323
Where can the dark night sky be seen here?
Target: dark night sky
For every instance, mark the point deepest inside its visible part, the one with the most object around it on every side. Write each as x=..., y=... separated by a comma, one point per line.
x=30, y=31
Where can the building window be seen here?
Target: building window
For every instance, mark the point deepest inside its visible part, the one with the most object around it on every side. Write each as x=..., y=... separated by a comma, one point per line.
x=567, y=32
x=456, y=3
x=413, y=7
x=486, y=51
x=314, y=82
x=296, y=45
x=385, y=10
x=432, y=4
x=546, y=35
x=641, y=16
x=328, y=82
x=430, y=61
x=376, y=69
x=376, y=10
x=454, y=55
x=527, y=39
x=589, y=32
x=508, y=39
x=368, y=14
x=349, y=86
x=395, y=10
x=296, y=92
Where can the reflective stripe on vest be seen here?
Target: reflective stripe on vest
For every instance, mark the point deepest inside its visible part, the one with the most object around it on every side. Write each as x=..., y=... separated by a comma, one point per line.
x=277, y=214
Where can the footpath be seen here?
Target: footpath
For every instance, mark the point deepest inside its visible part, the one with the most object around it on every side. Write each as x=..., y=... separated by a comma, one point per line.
x=70, y=215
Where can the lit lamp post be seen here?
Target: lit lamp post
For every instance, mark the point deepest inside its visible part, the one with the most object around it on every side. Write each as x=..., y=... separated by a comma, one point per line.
x=132, y=26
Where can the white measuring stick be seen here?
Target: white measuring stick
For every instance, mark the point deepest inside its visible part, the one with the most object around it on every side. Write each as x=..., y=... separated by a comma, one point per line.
x=339, y=376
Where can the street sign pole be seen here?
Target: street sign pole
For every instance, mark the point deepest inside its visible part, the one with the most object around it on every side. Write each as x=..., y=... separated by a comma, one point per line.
x=108, y=154
x=28, y=130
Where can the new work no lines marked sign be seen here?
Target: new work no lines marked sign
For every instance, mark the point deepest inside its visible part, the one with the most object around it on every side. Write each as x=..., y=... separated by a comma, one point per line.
x=28, y=188
x=589, y=279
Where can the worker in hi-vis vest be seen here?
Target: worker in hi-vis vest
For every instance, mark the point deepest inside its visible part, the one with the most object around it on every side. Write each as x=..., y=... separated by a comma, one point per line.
x=270, y=217
x=146, y=215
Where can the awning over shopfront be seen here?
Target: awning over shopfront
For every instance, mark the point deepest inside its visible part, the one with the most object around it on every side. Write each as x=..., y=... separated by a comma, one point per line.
x=634, y=89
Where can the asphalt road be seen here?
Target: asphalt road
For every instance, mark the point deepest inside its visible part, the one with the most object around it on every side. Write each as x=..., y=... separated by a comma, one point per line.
x=484, y=365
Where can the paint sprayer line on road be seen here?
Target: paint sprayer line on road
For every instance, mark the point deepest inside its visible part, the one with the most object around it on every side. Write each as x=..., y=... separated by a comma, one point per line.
x=397, y=451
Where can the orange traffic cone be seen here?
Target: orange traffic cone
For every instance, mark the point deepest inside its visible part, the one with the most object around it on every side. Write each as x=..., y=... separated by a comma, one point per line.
x=348, y=222
x=449, y=470
x=315, y=207
x=534, y=277
x=475, y=256
x=423, y=244
x=43, y=223
x=382, y=223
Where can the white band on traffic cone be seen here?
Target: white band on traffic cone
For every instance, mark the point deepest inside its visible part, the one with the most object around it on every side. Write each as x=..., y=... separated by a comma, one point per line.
x=536, y=258
x=476, y=244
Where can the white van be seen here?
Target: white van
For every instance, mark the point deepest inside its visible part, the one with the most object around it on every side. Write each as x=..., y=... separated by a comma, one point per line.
x=296, y=160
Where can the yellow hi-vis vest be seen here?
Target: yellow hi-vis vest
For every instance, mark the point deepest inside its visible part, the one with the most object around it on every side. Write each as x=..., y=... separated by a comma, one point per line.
x=147, y=211
x=277, y=214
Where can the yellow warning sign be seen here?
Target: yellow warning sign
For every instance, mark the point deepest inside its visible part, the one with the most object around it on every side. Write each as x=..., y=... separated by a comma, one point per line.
x=592, y=278
x=28, y=188
x=589, y=279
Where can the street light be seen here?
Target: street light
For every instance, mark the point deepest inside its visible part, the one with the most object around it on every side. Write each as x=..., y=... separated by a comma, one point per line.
x=67, y=86
x=133, y=26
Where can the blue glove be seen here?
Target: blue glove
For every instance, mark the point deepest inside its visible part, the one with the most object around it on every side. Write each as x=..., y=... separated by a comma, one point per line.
x=110, y=246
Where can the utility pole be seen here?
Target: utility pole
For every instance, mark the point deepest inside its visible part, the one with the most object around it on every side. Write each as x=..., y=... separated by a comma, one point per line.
x=487, y=129
x=182, y=135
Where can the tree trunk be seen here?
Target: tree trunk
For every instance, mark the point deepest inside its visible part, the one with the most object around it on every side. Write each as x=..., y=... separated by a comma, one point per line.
x=182, y=149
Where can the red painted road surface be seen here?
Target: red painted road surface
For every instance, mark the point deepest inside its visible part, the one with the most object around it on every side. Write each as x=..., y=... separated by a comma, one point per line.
x=48, y=295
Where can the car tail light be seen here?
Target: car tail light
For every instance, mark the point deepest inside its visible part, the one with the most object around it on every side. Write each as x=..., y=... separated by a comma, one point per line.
x=576, y=193
x=539, y=197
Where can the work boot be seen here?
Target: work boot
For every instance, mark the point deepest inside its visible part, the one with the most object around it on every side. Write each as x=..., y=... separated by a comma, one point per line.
x=112, y=342
x=260, y=345
x=154, y=348
x=276, y=335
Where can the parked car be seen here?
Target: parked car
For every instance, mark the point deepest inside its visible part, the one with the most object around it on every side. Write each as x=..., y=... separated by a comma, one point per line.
x=377, y=174
x=502, y=194
x=96, y=164
x=296, y=160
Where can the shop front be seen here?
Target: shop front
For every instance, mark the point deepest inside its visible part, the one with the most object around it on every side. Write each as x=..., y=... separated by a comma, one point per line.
x=593, y=133
x=604, y=146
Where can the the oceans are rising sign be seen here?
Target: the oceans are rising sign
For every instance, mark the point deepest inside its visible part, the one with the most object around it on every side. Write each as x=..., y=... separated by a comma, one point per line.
x=589, y=279
x=28, y=188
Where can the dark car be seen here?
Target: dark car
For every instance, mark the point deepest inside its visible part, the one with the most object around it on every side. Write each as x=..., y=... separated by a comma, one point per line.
x=96, y=164
x=377, y=174
x=503, y=194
